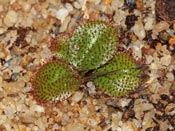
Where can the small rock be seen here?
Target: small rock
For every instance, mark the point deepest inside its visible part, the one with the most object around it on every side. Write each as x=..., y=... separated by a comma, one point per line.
x=77, y=96
x=115, y=120
x=139, y=4
x=172, y=40
x=142, y=106
x=170, y=109
x=149, y=23
x=64, y=25
x=69, y=7
x=10, y=18
x=98, y=1
x=165, y=60
x=162, y=25
x=2, y=30
x=37, y=108
x=165, y=10
x=148, y=120
x=26, y=6
x=137, y=48
x=7, y=127
x=74, y=127
x=149, y=59
x=77, y=5
x=139, y=30
x=61, y=14
x=170, y=76
x=16, y=6
x=91, y=87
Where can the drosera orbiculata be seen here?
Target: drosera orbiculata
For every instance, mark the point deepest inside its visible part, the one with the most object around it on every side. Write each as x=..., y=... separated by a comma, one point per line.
x=90, y=52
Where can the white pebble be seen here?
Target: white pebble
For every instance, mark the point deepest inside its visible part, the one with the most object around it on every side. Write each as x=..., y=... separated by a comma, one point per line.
x=77, y=96
x=115, y=120
x=117, y=4
x=92, y=122
x=7, y=127
x=75, y=127
x=149, y=23
x=137, y=48
x=139, y=30
x=77, y=5
x=26, y=6
x=90, y=84
x=10, y=18
x=35, y=128
x=166, y=60
x=69, y=7
x=162, y=25
x=149, y=59
x=37, y=108
x=91, y=87
x=170, y=76
x=65, y=24
x=61, y=14
x=1, y=8
x=56, y=126
x=2, y=30
x=95, y=1
x=119, y=17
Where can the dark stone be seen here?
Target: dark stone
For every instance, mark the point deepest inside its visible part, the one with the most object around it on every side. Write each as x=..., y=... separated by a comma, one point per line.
x=131, y=4
x=165, y=10
x=144, y=96
x=151, y=42
x=130, y=21
x=128, y=114
x=130, y=104
x=156, y=128
x=164, y=97
x=164, y=37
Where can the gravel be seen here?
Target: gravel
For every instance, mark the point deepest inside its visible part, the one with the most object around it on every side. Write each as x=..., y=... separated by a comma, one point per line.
x=26, y=29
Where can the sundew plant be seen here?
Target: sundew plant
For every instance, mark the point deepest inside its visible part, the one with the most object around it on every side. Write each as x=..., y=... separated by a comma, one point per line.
x=88, y=54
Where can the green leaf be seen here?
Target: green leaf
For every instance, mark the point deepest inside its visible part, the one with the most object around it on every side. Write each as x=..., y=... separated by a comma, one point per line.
x=90, y=46
x=118, y=77
x=60, y=46
x=55, y=81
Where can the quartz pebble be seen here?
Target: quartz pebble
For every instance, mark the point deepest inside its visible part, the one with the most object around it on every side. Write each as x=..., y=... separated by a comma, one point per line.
x=166, y=60
x=77, y=96
x=69, y=7
x=37, y=108
x=74, y=127
x=115, y=120
x=161, y=26
x=10, y=18
x=149, y=23
x=170, y=109
x=26, y=6
x=170, y=76
x=61, y=14
x=91, y=87
x=65, y=24
x=141, y=106
x=98, y=1
x=139, y=30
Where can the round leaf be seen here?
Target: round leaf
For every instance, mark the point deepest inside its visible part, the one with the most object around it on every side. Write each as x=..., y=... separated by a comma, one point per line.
x=118, y=77
x=55, y=81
